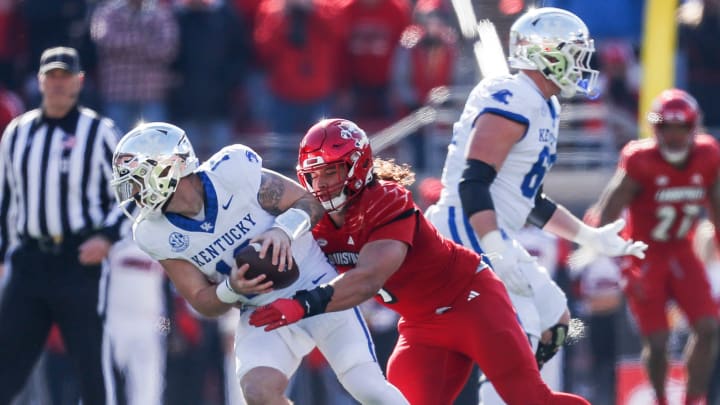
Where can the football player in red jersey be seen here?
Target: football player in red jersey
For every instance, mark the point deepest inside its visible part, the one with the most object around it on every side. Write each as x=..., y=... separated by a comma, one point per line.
x=665, y=182
x=455, y=311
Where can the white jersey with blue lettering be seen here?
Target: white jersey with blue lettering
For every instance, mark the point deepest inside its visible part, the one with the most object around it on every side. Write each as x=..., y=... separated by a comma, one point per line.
x=517, y=98
x=231, y=217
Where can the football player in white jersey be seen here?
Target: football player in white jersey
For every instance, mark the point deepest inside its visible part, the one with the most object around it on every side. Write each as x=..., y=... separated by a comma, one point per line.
x=136, y=341
x=503, y=145
x=194, y=220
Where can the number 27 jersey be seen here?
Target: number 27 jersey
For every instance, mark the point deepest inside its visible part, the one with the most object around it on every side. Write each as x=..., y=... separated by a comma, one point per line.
x=670, y=199
x=513, y=191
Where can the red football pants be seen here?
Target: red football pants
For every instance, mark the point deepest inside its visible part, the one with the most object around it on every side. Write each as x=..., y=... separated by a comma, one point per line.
x=433, y=357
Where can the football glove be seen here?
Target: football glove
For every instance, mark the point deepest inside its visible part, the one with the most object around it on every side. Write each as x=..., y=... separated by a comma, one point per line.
x=280, y=312
x=505, y=259
x=285, y=311
x=604, y=241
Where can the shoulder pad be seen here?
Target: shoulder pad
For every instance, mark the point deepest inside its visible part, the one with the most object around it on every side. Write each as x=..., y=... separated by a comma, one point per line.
x=384, y=202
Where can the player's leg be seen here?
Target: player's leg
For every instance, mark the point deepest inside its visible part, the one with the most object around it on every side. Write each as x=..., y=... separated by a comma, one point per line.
x=264, y=361
x=344, y=339
x=693, y=294
x=646, y=298
x=427, y=375
x=500, y=347
x=24, y=326
x=146, y=367
x=654, y=356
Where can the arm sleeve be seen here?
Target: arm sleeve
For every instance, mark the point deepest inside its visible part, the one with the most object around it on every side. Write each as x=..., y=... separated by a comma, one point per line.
x=543, y=210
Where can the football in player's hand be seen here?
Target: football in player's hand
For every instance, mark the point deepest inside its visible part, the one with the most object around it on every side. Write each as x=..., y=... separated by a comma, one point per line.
x=251, y=254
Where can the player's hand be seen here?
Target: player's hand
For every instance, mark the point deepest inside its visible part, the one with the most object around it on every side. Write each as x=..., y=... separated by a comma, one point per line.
x=505, y=260
x=280, y=312
x=280, y=241
x=251, y=287
x=605, y=241
x=93, y=250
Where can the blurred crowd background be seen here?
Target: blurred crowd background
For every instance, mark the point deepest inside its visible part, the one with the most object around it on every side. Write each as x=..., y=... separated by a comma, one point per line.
x=260, y=72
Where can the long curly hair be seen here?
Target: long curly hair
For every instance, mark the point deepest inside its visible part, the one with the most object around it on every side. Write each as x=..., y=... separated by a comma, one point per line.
x=389, y=170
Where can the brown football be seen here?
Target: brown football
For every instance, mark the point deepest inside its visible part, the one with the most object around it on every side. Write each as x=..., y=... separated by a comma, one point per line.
x=250, y=254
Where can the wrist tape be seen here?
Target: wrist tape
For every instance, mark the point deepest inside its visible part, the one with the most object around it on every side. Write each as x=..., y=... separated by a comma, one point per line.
x=294, y=222
x=227, y=294
x=315, y=301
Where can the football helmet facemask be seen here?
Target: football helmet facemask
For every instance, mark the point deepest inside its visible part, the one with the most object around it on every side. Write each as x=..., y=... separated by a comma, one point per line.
x=557, y=43
x=341, y=143
x=147, y=164
x=674, y=117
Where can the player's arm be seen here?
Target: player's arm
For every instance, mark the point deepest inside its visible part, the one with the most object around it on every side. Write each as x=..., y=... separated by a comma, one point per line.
x=377, y=261
x=207, y=298
x=296, y=212
x=618, y=193
x=490, y=143
x=714, y=208
x=604, y=240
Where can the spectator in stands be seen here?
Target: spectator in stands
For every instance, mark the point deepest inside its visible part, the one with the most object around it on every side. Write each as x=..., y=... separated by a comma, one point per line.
x=299, y=43
x=12, y=43
x=699, y=21
x=136, y=40
x=426, y=59
x=210, y=68
x=619, y=77
x=51, y=23
x=10, y=107
x=375, y=30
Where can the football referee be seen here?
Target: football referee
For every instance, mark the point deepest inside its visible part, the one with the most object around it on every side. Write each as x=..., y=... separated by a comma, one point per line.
x=55, y=228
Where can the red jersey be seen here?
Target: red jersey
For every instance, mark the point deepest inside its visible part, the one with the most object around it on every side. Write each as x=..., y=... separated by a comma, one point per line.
x=670, y=198
x=435, y=270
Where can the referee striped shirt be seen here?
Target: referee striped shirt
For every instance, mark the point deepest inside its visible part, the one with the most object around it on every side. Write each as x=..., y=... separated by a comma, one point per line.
x=55, y=175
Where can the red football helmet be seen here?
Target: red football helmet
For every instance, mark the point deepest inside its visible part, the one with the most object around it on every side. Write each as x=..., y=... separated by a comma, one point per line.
x=341, y=143
x=674, y=117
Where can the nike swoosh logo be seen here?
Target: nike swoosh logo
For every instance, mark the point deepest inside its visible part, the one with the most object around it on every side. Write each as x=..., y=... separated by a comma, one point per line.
x=317, y=280
x=227, y=204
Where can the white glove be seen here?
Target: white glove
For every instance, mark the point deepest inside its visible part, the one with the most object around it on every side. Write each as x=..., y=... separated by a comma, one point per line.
x=604, y=241
x=505, y=260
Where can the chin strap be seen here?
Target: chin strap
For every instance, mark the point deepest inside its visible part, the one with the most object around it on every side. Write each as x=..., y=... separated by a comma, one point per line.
x=547, y=351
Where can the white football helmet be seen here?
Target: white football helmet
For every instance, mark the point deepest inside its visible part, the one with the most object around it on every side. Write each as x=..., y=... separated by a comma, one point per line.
x=557, y=43
x=147, y=165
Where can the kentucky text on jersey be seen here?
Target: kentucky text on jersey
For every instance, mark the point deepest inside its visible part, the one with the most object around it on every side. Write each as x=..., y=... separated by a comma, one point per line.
x=675, y=194
x=546, y=135
x=343, y=258
x=224, y=242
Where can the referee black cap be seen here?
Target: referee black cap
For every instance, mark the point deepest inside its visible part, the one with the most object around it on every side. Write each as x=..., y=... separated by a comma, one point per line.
x=60, y=58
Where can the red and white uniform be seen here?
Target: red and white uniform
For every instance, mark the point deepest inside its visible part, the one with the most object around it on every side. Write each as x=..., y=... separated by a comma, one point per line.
x=454, y=310
x=664, y=214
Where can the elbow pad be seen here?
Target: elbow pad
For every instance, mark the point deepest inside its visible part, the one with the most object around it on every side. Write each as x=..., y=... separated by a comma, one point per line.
x=474, y=187
x=543, y=210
